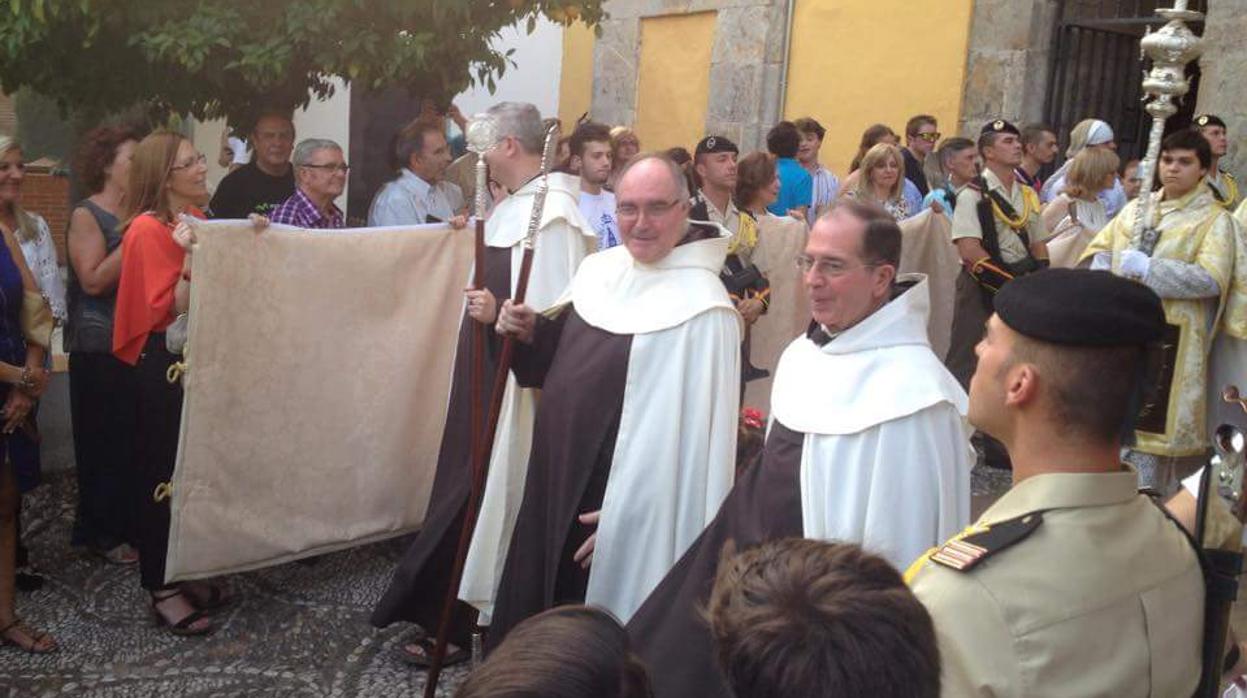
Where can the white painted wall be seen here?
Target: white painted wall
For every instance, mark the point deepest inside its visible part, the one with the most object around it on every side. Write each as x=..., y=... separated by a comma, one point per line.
x=329, y=119
x=535, y=76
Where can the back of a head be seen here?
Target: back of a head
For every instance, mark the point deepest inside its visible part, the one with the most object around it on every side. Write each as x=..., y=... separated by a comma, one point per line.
x=783, y=140
x=754, y=172
x=521, y=121
x=798, y=617
x=566, y=652
x=1089, y=171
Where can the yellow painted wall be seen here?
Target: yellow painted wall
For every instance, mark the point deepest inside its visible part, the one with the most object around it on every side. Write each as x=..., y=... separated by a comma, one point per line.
x=576, y=79
x=859, y=62
x=673, y=79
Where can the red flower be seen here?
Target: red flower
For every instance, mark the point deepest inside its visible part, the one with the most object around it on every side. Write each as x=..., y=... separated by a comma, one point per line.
x=752, y=418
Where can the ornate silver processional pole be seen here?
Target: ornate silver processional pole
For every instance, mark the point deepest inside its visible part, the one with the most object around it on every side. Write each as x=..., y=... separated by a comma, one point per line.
x=1171, y=49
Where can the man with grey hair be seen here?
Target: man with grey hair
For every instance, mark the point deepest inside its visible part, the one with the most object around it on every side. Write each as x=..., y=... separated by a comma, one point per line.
x=320, y=177
x=419, y=194
x=634, y=441
x=563, y=238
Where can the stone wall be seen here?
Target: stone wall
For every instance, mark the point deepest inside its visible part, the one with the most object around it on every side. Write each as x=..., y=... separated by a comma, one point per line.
x=1222, y=90
x=1008, y=62
x=745, y=65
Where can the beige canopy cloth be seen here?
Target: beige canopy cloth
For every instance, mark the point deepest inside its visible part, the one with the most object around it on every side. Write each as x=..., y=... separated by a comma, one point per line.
x=318, y=372
x=927, y=248
x=780, y=240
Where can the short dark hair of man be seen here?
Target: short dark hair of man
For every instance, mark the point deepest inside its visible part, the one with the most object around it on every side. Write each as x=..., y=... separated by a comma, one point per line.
x=917, y=122
x=411, y=138
x=797, y=617
x=680, y=155
x=807, y=125
x=881, y=241
x=754, y=172
x=783, y=140
x=1032, y=133
x=1093, y=392
x=97, y=151
x=588, y=132
x=566, y=652
x=273, y=112
x=1189, y=139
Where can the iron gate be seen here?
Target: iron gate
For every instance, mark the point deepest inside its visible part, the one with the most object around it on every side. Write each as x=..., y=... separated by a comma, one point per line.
x=1096, y=70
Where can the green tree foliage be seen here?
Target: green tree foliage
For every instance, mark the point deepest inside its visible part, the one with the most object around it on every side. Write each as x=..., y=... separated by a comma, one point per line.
x=227, y=58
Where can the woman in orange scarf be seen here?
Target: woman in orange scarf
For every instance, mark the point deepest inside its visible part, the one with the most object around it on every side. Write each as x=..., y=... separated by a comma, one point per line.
x=167, y=180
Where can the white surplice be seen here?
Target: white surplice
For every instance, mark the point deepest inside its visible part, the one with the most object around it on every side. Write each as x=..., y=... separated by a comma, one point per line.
x=562, y=242
x=886, y=458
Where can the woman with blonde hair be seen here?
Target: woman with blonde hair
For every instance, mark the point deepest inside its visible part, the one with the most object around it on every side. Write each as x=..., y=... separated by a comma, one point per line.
x=167, y=181
x=879, y=134
x=624, y=146
x=1077, y=214
x=880, y=180
x=25, y=337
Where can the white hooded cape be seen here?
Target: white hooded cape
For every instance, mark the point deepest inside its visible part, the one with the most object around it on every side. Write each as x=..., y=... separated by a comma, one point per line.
x=886, y=459
x=674, y=457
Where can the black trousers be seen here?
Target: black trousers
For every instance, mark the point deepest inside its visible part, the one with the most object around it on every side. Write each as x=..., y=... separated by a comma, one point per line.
x=103, y=407
x=159, y=410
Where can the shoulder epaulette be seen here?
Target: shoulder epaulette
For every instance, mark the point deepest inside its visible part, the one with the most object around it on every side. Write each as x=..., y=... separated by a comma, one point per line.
x=962, y=554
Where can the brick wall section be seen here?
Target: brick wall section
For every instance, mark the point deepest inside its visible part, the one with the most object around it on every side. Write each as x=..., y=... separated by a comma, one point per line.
x=48, y=195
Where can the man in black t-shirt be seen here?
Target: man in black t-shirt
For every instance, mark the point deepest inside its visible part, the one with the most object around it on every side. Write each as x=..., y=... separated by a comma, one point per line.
x=268, y=179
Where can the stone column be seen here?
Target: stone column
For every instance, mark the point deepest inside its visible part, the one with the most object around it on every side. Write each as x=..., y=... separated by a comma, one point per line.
x=1221, y=87
x=1007, y=62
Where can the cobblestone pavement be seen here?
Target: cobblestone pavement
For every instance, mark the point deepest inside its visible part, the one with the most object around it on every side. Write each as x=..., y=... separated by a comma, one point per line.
x=298, y=630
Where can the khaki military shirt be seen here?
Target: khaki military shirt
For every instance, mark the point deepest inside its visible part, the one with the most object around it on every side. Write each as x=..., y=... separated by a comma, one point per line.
x=966, y=217
x=729, y=219
x=1104, y=598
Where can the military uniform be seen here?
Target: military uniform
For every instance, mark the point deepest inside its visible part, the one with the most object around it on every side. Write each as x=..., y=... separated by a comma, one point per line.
x=1072, y=584
x=1222, y=184
x=1103, y=597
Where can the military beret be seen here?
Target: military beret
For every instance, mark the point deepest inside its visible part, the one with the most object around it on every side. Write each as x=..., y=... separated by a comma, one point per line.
x=1084, y=308
x=1208, y=120
x=1000, y=126
x=715, y=144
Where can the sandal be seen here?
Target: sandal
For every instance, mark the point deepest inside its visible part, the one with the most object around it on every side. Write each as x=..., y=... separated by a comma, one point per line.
x=181, y=628
x=217, y=599
x=36, y=642
x=121, y=554
x=424, y=652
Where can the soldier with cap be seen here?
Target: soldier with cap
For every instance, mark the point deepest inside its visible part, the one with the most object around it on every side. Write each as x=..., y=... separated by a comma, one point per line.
x=1222, y=184
x=997, y=230
x=1072, y=583
x=714, y=161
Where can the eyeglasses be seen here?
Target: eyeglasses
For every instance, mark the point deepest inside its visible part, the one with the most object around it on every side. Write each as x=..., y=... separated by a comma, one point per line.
x=652, y=209
x=343, y=168
x=199, y=159
x=827, y=268
x=928, y=137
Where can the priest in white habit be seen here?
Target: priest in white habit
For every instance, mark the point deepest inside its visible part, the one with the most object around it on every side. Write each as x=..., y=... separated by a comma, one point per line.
x=635, y=437
x=418, y=588
x=867, y=442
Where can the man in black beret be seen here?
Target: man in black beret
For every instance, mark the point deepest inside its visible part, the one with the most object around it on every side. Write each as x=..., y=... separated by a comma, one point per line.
x=998, y=232
x=714, y=161
x=1223, y=185
x=1072, y=583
